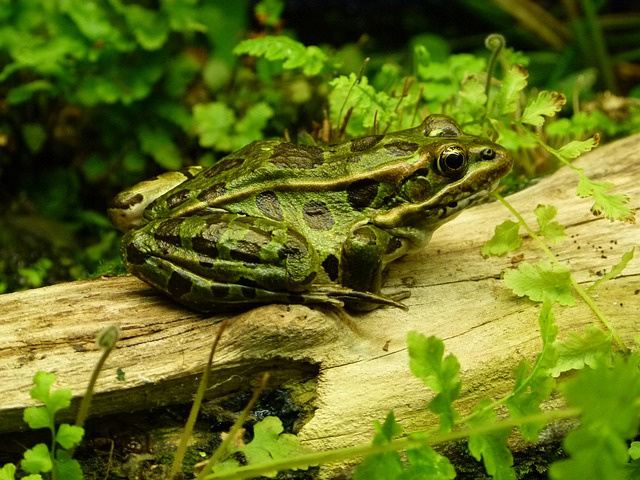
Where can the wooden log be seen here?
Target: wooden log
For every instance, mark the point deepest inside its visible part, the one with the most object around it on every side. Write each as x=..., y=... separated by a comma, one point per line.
x=361, y=361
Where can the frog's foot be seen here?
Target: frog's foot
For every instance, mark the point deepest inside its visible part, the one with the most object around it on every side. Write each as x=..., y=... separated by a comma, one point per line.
x=358, y=300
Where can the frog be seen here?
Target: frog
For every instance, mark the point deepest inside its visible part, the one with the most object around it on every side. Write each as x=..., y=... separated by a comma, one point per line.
x=277, y=222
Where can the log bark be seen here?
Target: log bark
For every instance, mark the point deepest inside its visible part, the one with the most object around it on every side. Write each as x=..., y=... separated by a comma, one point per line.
x=360, y=361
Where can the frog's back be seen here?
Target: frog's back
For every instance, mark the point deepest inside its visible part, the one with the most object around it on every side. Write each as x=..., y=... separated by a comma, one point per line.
x=272, y=165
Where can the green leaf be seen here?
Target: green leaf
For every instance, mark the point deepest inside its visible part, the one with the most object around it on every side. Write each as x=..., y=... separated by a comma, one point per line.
x=150, y=28
x=269, y=11
x=67, y=468
x=69, y=435
x=634, y=450
x=534, y=385
x=507, y=98
x=615, y=270
x=439, y=373
x=546, y=103
x=213, y=122
x=576, y=148
x=43, y=382
x=542, y=281
x=34, y=136
x=157, y=142
x=491, y=447
x=7, y=472
x=610, y=411
x=593, y=349
x=37, y=459
x=24, y=92
x=552, y=231
x=426, y=463
x=368, y=107
x=268, y=444
x=614, y=206
x=294, y=54
x=505, y=239
x=383, y=466
x=37, y=417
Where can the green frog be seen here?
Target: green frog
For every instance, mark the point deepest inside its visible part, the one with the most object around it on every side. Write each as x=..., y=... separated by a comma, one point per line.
x=278, y=222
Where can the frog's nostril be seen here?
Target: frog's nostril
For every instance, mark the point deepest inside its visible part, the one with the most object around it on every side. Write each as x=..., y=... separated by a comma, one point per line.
x=488, y=154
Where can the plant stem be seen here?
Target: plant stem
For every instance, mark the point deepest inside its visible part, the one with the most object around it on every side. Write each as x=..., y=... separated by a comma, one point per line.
x=578, y=288
x=195, y=408
x=429, y=438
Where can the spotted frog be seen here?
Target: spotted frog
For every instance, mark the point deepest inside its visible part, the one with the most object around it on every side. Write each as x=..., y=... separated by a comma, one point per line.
x=278, y=222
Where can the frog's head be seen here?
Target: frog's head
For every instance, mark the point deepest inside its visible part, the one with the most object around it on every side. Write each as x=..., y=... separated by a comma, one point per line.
x=454, y=171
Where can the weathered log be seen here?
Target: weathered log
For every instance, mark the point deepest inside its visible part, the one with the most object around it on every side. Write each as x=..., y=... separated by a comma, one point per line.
x=361, y=361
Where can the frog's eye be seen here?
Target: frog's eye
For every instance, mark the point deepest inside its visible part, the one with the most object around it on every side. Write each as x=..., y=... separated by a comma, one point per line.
x=452, y=162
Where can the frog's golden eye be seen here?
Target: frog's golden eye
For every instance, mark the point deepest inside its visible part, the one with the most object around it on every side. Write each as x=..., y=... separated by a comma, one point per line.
x=452, y=162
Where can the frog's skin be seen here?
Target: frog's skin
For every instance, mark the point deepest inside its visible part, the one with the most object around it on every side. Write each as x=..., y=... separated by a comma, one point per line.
x=277, y=222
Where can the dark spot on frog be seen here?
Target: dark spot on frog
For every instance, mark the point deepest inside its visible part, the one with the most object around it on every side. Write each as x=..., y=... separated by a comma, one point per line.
x=331, y=266
x=168, y=231
x=488, y=154
x=134, y=255
x=417, y=189
x=291, y=155
x=222, y=166
x=248, y=292
x=399, y=148
x=244, y=251
x=205, y=246
x=365, y=143
x=126, y=200
x=178, y=284
x=269, y=204
x=295, y=247
x=178, y=198
x=362, y=193
x=317, y=216
x=214, y=191
x=219, y=290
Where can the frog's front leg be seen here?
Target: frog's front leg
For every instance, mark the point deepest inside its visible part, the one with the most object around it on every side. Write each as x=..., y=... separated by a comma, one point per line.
x=365, y=254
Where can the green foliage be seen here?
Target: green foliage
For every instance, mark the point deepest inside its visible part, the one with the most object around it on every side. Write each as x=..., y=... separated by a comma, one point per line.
x=541, y=281
x=268, y=444
x=608, y=400
x=439, y=373
x=54, y=458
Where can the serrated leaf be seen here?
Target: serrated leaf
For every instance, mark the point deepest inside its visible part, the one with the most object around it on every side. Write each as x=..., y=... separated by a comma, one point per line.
x=613, y=206
x=69, y=435
x=534, y=385
x=576, y=148
x=491, y=448
x=546, y=103
x=552, y=231
x=439, y=373
x=37, y=459
x=505, y=239
x=615, y=270
x=542, y=281
x=295, y=54
x=592, y=349
x=608, y=401
x=515, y=80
